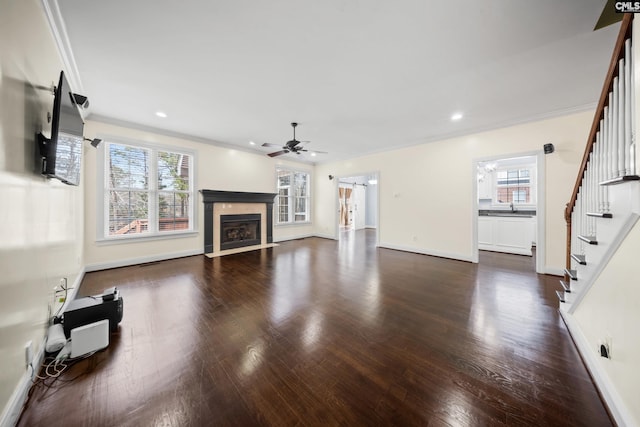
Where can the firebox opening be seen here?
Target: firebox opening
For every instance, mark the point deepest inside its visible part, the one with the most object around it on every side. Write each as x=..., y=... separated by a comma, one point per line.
x=237, y=231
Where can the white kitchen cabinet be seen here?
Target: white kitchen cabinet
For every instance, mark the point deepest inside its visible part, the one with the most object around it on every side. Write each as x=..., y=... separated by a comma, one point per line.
x=485, y=188
x=510, y=234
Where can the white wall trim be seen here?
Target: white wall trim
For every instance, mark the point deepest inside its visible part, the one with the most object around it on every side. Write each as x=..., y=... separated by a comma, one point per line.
x=325, y=236
x=540, y=205
x=336, y=202
x=18, y=399
x=553, y=271
x=606, y=257
x=141, y=260
x=449, y=255
x=614, y=402
x=296, y=237
x=59, y=31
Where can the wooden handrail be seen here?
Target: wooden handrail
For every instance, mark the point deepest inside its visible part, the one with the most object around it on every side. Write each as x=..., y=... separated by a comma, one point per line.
x=618, y=53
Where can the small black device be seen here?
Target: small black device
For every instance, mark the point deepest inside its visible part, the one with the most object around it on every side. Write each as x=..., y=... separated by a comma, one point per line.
x=62, y=153
x=86, y=310
x=548, y=148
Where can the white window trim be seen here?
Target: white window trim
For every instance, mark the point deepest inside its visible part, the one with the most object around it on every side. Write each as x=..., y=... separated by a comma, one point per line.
x=102, y=234
x=276, y=215
x=533, y=179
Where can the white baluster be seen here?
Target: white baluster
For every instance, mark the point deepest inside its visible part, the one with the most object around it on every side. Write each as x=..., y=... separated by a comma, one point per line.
x=580, y=222
x=607, y=144
x=589, y=197
x=627, y=108
x=592, y=192
x=597, y=148
x=620, y=120
x=633, y=109
x=575, y=229
x=613, y=110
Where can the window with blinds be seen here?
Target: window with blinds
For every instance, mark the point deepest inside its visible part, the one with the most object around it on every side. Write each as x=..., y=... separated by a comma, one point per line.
x=148, y=191
x=293, y=202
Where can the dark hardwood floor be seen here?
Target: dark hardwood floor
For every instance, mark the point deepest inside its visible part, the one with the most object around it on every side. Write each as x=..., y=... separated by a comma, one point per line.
x=318, y=332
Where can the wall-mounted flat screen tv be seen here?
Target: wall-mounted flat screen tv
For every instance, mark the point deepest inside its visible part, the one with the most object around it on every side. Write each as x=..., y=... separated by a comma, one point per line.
x=62, y=153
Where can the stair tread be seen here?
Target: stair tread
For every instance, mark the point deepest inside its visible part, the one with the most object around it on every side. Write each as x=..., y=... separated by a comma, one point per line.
x=580, y=259
x=592, y=240
x=573, y=274
x=600, y=214
x=620, y=180
x=560, y=295
x=565, y=285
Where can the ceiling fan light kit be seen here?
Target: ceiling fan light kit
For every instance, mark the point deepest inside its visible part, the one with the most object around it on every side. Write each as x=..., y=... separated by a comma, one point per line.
x=292, y=146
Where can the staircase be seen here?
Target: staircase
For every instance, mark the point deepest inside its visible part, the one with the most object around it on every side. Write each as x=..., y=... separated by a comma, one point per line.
x=606, y=199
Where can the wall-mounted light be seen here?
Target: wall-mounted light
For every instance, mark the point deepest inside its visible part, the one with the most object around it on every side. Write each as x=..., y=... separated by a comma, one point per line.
x=94, y=142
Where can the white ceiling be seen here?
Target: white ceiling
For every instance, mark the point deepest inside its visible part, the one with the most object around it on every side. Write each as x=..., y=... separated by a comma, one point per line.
x=360, y=76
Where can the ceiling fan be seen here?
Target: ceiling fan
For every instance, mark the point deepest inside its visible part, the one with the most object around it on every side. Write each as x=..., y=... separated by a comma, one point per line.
x=293, y=146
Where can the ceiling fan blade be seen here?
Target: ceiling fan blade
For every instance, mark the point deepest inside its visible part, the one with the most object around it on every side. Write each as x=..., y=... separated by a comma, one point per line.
x=267, y=144
x=278, y=153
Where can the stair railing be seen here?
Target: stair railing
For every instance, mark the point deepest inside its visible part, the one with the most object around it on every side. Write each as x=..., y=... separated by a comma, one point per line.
x=609, y=156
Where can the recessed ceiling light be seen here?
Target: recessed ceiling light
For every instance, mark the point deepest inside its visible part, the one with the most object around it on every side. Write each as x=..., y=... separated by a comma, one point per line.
x=252, y=143
x=313, y=154
x=161, y=114
x=456, y=116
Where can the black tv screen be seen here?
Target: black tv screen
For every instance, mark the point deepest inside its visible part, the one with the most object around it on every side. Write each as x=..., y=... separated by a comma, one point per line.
x=63, y=151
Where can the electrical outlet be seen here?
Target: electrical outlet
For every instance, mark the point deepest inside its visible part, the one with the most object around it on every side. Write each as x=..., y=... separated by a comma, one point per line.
x=28, y=353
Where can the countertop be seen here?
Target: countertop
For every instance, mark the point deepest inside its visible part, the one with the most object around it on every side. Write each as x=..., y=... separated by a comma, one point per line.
x=507, y=213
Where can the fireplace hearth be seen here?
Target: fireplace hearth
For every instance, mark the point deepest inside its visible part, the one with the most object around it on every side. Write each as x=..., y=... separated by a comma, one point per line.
x=237, y=231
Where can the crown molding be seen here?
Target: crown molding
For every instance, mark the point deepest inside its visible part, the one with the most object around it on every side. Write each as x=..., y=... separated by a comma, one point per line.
x=59, y=32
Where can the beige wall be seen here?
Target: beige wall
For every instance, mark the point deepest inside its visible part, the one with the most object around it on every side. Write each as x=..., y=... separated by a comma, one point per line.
x=610, y=311
x=41, y=221
x=426, y=200
x=217, y=168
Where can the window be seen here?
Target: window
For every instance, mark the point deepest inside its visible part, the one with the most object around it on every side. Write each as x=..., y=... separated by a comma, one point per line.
x=514, y=186
x=293, y=196
x=148, y=191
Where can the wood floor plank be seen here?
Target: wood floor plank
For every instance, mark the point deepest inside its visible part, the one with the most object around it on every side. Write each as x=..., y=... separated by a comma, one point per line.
x=322, y=332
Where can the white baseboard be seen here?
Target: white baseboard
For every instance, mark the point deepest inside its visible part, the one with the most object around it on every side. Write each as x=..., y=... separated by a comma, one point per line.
x=18, y=399
x=325, y=236
x=296, y=237
x=611, y=397
x=141, y=260
x=553, y=271
x=449, y=255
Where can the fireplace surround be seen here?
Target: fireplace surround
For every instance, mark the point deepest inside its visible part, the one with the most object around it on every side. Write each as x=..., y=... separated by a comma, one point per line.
x=223, y=203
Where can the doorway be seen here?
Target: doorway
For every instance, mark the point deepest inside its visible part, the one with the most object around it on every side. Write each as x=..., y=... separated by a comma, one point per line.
x=357, y=203
x=509, y=194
